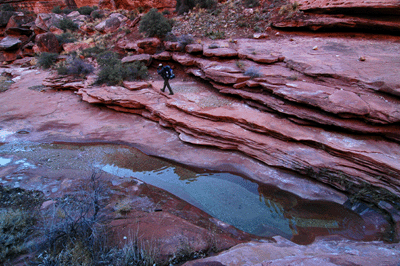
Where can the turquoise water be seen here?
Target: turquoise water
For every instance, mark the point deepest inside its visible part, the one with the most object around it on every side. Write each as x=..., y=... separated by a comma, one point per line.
x=235, y=200
x=251, y=207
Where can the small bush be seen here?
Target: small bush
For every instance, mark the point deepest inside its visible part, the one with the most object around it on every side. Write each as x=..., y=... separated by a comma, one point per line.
x=57, y=10
x=47, y=60
x=183, y=6
x=253, y=72
x=7, y=7
x=75, y=66
x=97, y=14
x=134, y=71
x=74, y=229
x=5, y=17
x=67, y=24
x=15, y=227
x=86, y=10
x=207, y=4
x=92, y=51
x=251, y=3
x=66, y=37
x=111, y=71
x=154, y=24
x=215, y=35
x=185, y=40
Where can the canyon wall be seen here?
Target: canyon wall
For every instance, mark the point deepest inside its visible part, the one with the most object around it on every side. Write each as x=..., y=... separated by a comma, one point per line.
x=47, y=6
x=385, y=6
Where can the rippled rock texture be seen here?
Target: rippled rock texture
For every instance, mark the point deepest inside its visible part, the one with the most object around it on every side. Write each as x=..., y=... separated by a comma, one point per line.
x=315, y=108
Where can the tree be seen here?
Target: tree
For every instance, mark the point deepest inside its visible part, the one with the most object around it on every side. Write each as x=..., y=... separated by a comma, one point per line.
x=154, y=24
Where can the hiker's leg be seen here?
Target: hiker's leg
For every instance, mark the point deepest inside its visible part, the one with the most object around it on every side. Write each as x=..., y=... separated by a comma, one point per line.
x=165, y=85
x=169, y=88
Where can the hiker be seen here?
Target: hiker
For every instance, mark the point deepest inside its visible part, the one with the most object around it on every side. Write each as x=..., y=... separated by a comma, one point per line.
x=167, y=74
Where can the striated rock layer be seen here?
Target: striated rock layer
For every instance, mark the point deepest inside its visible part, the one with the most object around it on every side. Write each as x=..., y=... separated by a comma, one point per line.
x=333, y=15
x=322, y=112
x=387, y=6
x=316, y=109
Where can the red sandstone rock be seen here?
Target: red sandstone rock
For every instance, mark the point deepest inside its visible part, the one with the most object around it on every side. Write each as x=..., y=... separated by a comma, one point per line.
x=322, y=252
x=145, y=58
x=164, y=56
x=10, y=43
x=194, y=48
x=148, y=45
x=108, y=25
x=173, y=46
x=70, y=47
x=389, y=6
x=47, y=42
x=219, y=52
x=136, y=85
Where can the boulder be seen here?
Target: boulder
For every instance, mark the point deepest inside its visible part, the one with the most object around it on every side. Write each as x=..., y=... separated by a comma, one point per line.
x=194, y=48
x=136, y=85
x=47, y=42
x=5, y=16
x=10, y=43
x=163, y=56
x=219, y=52
x=148, y=45
x=145, y=58
x=173, y=46
x=45, y=21
x=108, y=25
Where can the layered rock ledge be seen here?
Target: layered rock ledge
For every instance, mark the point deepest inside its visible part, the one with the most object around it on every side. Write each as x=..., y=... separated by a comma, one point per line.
x=324, y=108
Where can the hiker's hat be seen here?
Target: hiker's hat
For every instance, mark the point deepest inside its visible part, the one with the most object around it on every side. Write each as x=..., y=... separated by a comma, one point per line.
x=160, y=65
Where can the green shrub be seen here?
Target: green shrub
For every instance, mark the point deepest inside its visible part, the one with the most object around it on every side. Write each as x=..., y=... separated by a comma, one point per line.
x=5, y=17
x=97, y=14
x=92, y=51
x=208, y=4
x=111, y=69
x=65, y=37
x=185, y=39
x=113, y=72
x=67, y=24
x=57, y=10
x=47, y=60
x=7, y=7
x=251, y=3
x=253, y=72
x=86, y=10
x=183, y=6
x=215, y=35
x=15, y=227
x=134, y=71
x=75, y=66
x=154, y=24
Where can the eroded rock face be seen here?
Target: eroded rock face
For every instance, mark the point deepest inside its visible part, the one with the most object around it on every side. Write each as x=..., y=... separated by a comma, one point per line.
x=304, y=114
x=388, y=6
x=359, y=15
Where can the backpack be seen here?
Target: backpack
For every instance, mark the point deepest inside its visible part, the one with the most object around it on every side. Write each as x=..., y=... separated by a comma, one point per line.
x=168, y=72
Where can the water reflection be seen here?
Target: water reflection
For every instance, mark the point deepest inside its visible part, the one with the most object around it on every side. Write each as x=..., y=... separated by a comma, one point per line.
x=257, y=209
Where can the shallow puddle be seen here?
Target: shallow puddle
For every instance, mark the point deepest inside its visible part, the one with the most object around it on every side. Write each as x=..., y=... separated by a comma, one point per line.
x=257, y=209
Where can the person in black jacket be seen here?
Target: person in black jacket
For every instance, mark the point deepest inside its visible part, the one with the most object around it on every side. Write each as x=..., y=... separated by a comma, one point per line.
x=166, y=73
